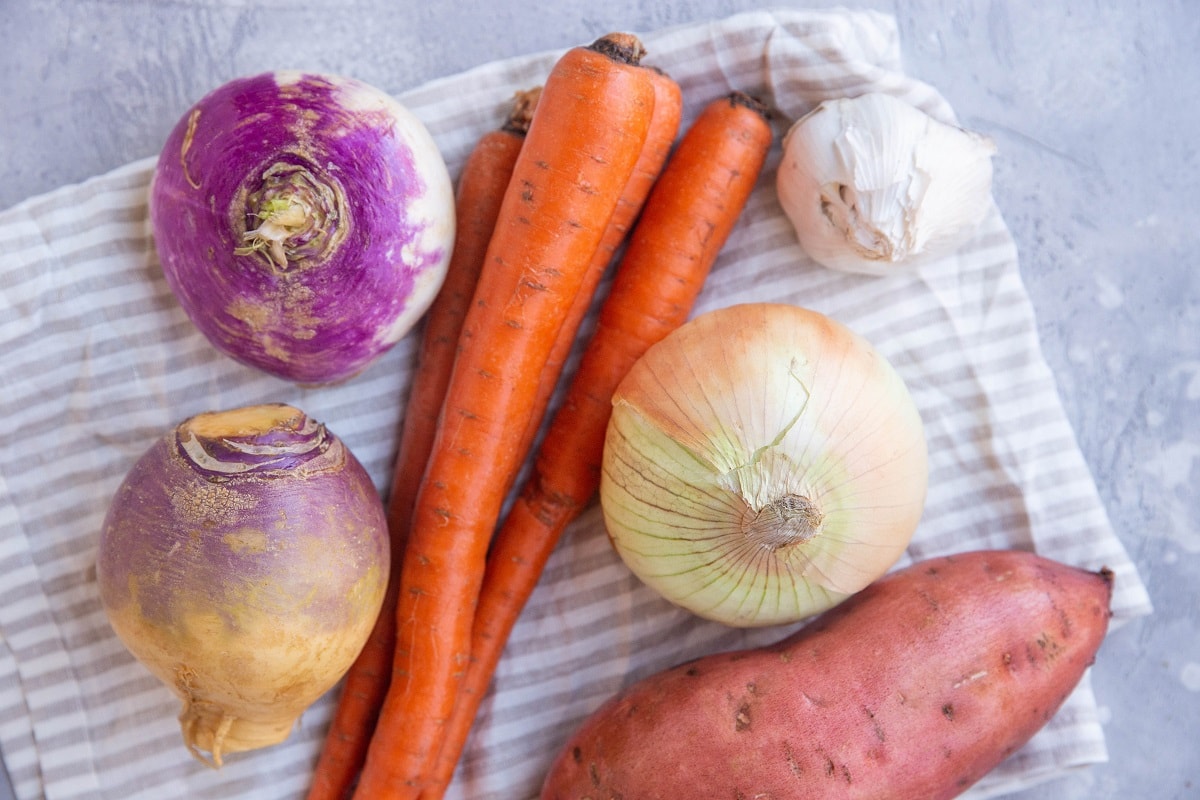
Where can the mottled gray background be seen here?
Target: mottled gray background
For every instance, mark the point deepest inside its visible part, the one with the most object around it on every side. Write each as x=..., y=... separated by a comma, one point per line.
x=1095, y=107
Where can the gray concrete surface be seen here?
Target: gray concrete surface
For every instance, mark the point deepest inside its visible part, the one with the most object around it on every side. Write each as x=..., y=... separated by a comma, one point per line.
x=1095, y=108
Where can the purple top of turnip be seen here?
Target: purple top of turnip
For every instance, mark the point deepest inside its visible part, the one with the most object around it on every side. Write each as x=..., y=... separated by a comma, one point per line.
x=304, y=222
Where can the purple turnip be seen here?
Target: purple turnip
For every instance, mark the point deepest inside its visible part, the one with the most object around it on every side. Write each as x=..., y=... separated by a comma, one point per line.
x=243, y=561
x=304, y=222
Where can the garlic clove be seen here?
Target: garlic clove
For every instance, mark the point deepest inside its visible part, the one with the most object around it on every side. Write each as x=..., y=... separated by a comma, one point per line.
x=874, y=185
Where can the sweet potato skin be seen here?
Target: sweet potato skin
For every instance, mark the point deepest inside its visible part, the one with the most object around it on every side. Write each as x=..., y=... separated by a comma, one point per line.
x=913, y=688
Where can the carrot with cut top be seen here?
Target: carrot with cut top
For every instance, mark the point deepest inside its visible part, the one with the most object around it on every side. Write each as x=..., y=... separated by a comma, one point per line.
x=484, y=178
x=664, y=127
x=686, y=221
x=587, y=132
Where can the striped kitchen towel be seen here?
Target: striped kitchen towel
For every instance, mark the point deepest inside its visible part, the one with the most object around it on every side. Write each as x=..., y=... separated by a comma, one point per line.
x=97, y=359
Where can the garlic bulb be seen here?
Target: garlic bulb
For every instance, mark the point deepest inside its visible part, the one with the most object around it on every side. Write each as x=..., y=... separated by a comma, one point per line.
x=874, y=185
x=762, y=463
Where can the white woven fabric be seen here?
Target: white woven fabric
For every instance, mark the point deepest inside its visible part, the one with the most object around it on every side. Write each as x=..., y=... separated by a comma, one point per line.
x=97, y=359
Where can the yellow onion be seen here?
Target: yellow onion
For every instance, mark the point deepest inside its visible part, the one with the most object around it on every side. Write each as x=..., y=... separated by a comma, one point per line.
x=762, y=463
x=243, y=561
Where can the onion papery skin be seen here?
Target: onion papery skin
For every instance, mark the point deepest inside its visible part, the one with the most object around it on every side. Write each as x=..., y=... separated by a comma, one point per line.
x=762, y=463
x=367, y=196
x=243, y=560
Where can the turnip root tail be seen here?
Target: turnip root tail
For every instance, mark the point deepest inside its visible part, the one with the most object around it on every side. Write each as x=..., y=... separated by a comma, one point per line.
x=197, y=727
x=210, y=732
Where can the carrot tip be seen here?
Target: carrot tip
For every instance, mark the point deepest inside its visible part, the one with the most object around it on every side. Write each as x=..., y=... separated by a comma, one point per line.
x=524, y=103
x=751, y=102
x=624, y=47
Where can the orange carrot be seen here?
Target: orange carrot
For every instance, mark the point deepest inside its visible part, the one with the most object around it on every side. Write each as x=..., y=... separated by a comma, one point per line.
x=664, y=127
x=481, y=186
x=484, y=180
x=587, y=131
x=686, y=222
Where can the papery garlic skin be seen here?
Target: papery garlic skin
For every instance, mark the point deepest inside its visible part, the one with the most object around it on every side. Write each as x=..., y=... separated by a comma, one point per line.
x=874, y=185
x=761, y=464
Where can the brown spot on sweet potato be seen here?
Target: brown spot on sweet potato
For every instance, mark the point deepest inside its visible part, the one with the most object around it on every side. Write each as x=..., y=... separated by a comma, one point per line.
x=1064, y=620
x=948, y=711
x=742, y=718
x=875, y=726
x=594, y=774
x=812, y=701
x=577, y=754
x=930, y=600
x=1049, y=646
x=790, y=757
x=833, y=771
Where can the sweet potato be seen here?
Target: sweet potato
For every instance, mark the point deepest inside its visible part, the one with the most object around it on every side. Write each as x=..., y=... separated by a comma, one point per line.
x=913, y=688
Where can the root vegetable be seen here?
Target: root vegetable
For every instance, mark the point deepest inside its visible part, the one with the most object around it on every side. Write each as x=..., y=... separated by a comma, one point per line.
x=704, y=186
x=243, y=561
x=664, y=126
x=587, y=133
x=303, y=221
x=481, y=185
x=914, y=688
